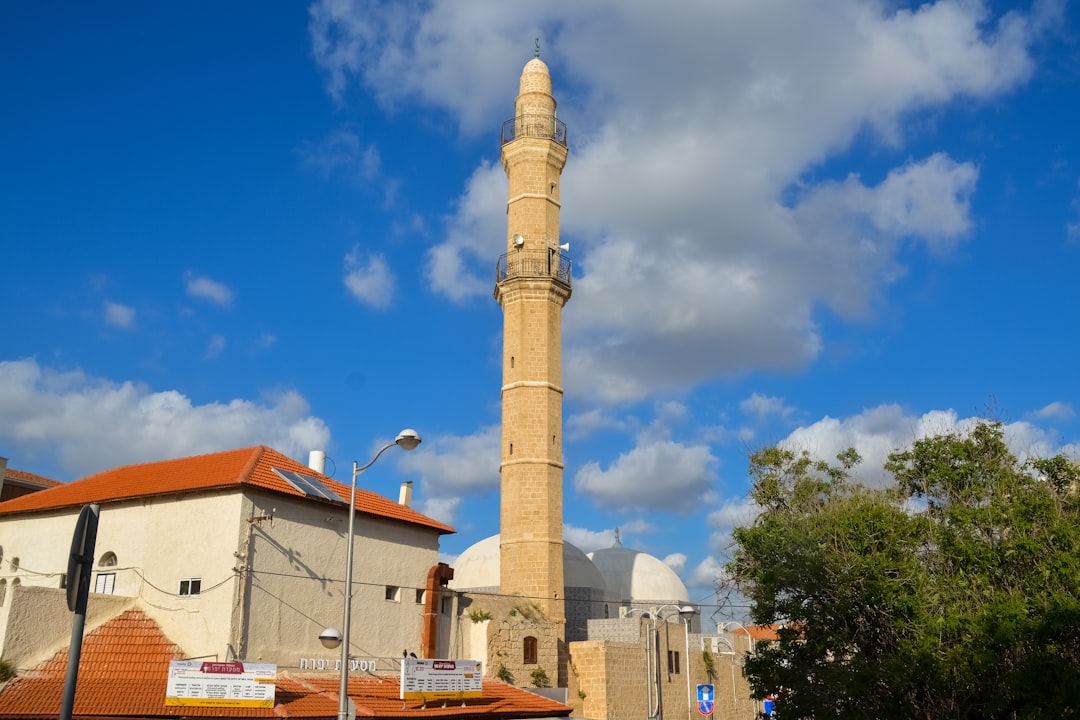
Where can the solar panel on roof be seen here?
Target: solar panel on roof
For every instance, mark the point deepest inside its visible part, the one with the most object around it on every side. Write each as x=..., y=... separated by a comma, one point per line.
x=312, y=487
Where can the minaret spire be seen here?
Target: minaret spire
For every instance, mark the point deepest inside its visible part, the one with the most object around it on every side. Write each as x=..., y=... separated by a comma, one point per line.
x=532, y=286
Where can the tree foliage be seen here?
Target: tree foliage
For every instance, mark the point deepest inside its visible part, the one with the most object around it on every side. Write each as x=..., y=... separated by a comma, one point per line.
x=954, y=593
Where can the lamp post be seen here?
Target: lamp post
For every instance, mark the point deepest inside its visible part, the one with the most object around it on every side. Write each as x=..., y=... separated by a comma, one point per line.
x=685, y=612
x=750, y=645
x=750, y=638
x=648, y=657
x=407, y=439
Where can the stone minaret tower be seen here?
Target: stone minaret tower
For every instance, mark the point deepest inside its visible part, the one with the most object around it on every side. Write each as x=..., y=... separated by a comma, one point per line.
x=532, y=286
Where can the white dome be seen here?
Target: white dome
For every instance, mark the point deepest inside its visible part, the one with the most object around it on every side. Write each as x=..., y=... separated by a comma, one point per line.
x=478, y=567
x=635, y=577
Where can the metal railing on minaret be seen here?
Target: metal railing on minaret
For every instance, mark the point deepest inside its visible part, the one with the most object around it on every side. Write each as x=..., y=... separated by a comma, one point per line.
x=544, y=127
x=534, y=264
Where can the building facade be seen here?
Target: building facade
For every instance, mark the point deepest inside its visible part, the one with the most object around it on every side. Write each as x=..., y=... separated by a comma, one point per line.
x=234, y=555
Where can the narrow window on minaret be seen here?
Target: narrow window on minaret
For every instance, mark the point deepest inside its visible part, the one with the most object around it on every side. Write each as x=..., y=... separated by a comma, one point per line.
x=511, y=448
x=511, y=361
x=552, y=439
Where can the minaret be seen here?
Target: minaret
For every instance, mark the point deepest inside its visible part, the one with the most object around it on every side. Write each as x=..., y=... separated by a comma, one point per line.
x=532, y=286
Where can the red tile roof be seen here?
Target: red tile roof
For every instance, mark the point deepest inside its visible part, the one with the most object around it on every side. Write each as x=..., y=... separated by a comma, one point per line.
x=28, y=478
x=758, y=632
x=250, y=467
x=124, y=667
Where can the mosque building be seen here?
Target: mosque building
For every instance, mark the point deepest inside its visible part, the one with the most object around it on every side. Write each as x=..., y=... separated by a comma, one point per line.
x=539, y=605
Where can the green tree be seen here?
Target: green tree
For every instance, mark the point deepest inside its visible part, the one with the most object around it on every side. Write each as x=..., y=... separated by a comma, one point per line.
x=954, y=593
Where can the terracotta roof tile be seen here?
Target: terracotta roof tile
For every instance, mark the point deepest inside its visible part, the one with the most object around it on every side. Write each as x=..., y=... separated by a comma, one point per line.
x=29, y=478
x=123, y=672
x=233, y=468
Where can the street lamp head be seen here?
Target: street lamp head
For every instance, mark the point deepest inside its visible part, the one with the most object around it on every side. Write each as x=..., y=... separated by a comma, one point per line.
x=330, y=638
x=687, y=611
x=407, y=439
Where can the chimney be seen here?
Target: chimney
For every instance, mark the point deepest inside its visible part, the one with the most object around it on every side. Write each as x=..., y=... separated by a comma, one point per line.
x=405, y=497
x=317, y=461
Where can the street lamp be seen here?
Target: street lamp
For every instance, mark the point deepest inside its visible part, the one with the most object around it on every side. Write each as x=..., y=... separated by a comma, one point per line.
x=685, y=612
x=648, y=656
x=750, y=644
x=407, y=439
x=750, y=640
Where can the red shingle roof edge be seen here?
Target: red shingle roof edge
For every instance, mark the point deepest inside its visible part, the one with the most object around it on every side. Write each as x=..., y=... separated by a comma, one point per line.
x=251, y=467
x=124, y=668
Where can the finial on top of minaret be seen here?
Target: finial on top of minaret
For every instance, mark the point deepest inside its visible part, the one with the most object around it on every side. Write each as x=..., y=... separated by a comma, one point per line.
x=536, y=53
x=618, y=540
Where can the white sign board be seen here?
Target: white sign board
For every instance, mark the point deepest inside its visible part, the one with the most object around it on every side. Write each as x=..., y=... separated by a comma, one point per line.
x=221, y=684
x=434, y=679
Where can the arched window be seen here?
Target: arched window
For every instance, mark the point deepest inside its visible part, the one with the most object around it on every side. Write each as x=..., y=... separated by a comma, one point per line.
x=529, y=650
x=14, y=564
x=108, y=560
x=3, y=591
x=1, y=555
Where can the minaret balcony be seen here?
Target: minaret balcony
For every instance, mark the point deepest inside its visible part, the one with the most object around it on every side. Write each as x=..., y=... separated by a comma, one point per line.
x=534, y=264
x=545, y=127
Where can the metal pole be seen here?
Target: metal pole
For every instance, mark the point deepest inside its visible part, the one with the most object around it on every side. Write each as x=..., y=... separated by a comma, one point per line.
x=346, y=622
x=689, y=702
x=343, y=688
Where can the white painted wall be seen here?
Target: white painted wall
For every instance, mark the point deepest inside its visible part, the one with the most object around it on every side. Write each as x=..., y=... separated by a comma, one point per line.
x=269, y=586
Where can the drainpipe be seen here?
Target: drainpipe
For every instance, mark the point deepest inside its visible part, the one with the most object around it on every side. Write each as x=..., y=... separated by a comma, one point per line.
x=437, y=579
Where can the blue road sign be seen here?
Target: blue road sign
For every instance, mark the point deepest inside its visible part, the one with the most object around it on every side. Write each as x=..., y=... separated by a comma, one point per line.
x=705, y=693
x=705, y=708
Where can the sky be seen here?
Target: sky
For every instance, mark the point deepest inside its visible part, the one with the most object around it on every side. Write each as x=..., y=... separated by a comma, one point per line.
x=821, y=223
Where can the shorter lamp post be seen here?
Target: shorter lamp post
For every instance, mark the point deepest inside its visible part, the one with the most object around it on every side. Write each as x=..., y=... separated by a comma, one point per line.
x=685, y=612
x=407, y=439
x=648, y=657
x=749, y=644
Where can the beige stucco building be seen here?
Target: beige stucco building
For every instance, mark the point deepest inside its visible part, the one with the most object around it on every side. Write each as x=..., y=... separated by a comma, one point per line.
x=235, y=556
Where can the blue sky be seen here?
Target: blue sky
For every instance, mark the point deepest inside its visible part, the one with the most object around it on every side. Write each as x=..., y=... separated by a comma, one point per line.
x=829, y=224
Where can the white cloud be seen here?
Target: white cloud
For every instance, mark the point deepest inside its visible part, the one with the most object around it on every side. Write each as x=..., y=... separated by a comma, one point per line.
x=207, y=289
x=453, y=466
x=877, y=432
x=582, y=425
x=1055, y=411
x=763, y=406
x=91, y=424
x=121, y=316
x=341, y=153
x=695, y=137
x=216, y=346
x=586, y=540
x=661, y=475
x=453, y=266
x=706, y=573
x=443, y=509
x=369, y=279
x=676, y=561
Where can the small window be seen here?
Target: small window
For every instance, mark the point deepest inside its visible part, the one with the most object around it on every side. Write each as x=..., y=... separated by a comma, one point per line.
x=392, y=593
x=446, y=606
x=673, y=662
x=529, y=650
x=190, y=586
x=14, y=564
x=419, y=597
x=63, y=581
x=3, y=592
x=108, y=560
x=104, y=583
